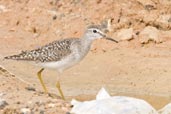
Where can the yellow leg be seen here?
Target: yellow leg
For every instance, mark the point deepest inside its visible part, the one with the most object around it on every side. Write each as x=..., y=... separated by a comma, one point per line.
x=59, y=89
x=41, y=81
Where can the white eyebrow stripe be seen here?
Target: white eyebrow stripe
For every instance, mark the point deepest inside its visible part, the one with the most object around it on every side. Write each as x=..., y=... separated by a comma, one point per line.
x=98, y=31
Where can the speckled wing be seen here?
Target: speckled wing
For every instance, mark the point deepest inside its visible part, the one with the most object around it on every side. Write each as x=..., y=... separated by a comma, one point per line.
x=54, y=51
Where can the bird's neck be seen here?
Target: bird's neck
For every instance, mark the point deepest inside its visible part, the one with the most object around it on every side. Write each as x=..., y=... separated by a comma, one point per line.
x=85, y=44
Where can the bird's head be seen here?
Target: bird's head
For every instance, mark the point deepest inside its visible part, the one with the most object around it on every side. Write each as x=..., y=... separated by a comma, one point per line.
x=95, y=32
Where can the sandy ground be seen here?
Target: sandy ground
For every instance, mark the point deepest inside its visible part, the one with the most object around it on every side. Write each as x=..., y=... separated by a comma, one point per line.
x=127, y=68
x=17, y=97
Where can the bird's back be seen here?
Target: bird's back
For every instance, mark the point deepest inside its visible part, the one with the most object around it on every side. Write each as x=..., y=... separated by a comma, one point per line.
x=54, y=51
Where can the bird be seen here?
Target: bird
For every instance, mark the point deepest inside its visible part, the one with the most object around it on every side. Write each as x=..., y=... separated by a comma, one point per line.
x=61, y=54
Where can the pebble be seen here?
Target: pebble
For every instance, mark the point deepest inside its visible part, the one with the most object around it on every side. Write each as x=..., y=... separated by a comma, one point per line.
x=51, y=105
x=3, y=8
x=125, y=34
x=3, y=103
x=164, y=19
x=30, y=88
x=25, y=111
x=150, y=33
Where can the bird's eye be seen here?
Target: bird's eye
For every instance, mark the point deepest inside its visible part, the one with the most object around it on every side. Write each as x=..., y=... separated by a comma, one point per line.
x=94, y=31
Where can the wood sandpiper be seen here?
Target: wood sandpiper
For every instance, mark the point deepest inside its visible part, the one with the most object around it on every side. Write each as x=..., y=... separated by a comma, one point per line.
x=62, y=54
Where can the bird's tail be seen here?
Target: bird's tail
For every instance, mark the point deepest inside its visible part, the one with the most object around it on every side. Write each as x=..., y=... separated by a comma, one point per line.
x=21, y=56
x=13, y=57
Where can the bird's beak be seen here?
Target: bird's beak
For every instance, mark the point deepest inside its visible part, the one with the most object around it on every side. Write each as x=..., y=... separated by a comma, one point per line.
x=111, y=39
x=108, y=38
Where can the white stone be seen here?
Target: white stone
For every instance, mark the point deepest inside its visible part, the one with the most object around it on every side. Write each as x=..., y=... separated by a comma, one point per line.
x=112, y=105
x=146, y=2
x=166, y=109
x=125, y=34
x=51, y=105
x=3, y=103
x=25, y=111
x=3, y=8
x=52, y=12
x=150, y=33
x=164, y=19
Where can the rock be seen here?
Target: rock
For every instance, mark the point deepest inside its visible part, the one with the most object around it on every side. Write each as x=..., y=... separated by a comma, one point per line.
x=165, y=110
x=125, y=34
x=146, y=2
x=150, y=33
x=164, y=19
x=3, y=8
x=163, y=22
x=112, y=105
x=106, y=25
x=165, y=2
x=30, y=88
x=25, y=111
x=149, y=7
x=42, y=112
x=3, y=103
x=51, y=105
x=52, y=12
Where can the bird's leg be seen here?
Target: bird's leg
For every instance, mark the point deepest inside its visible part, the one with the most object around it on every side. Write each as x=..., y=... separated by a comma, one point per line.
x=59, y=88
x=41, y=81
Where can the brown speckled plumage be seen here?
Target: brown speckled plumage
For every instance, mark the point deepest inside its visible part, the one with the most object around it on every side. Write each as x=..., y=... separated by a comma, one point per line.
x=54, y=51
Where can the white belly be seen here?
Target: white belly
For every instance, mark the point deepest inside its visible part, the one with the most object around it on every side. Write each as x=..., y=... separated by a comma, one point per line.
x=62, y=64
